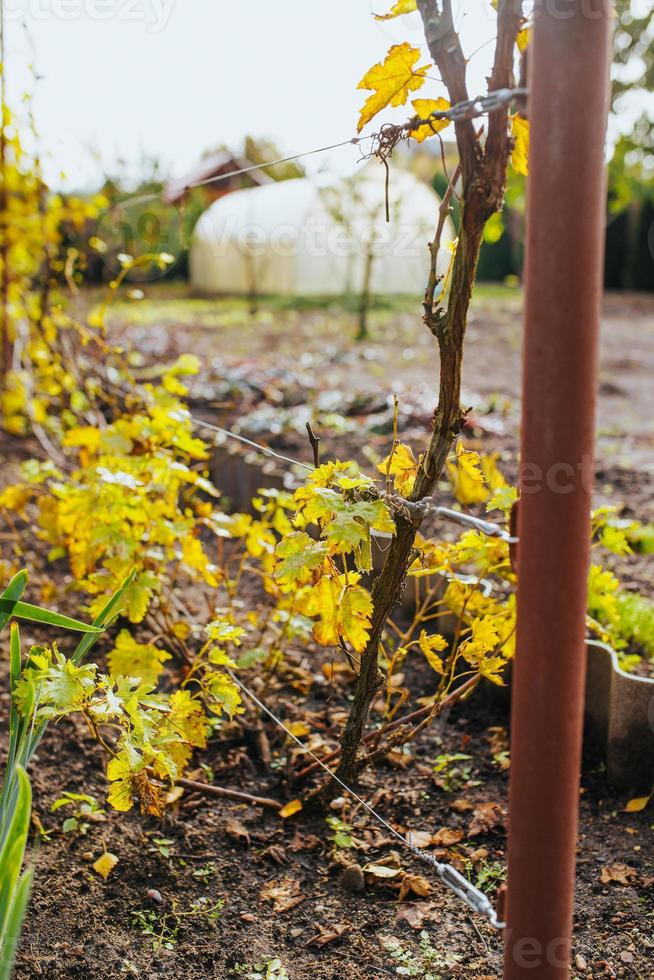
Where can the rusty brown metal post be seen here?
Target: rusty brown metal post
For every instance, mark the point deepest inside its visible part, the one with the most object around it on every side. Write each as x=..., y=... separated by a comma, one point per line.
x=568, y=102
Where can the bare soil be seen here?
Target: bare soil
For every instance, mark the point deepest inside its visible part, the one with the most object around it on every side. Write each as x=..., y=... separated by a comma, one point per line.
x=80, y=926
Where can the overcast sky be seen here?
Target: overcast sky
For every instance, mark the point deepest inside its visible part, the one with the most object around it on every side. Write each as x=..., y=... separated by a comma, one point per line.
x=170, y=78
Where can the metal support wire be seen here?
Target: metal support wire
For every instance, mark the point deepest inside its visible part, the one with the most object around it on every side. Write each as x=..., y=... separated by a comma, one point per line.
x=451, y=878
x=468, y=109
x=489, y=528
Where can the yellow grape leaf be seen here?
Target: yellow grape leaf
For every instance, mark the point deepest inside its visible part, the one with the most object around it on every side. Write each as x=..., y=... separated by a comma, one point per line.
x=14, y=497
x=344, y=608
x=391, y=81
x=194, y=557
x=637, y=805
x=424, y=108
x=429, y=646
x=137, y=596
x=293, y=807
x=174, y=795
x=399, y=8
x=355, y=613
x=119, y=774
x=132, y=659
x=225, y=695
x=466, y=477
x=520, y=154
x=83, y=437
x=299, y=728
x=105, y=864
x=187, y=718
x=299, y=555
x=469, y=461
x=404, y=468
x=523, y=39
x=478, y=649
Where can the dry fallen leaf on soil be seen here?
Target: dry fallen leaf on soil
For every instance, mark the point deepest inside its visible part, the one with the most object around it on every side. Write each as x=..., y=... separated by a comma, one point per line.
x=276, y=854
x=485, y=817
x=105, y=864
x=638, y=805
x=173, y=795
x=290, y=808
x=304, y=842
x=381, y=871
x=419, y=838
x=447, y=836
x=284, y=894
x=327, y=934
x=235, y=829
x=479, y=854
x=352, y=879
x=415, y=884
x=415, y=914
x=621, y=874
x=462, y=805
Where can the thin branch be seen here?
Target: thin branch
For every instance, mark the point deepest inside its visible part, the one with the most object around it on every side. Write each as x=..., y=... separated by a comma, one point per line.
x=315, y=445
x=509, y=19
x=372, y=738
x=209, y=789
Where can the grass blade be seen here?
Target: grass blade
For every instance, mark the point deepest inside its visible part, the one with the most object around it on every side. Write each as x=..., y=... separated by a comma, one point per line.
x=13, y=592
x=104, y=618
x=24, y=610
x=14, y=925
x=14, y=677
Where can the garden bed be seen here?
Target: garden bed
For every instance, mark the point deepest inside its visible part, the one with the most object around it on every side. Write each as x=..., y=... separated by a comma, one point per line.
x=279, y=883
x=225, y=852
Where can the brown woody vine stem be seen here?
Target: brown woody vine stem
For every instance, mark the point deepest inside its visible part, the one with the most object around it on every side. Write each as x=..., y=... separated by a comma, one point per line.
x=483, y=176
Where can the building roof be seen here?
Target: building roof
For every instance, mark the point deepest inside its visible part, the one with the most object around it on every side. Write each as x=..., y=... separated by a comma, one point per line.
x=218, y=164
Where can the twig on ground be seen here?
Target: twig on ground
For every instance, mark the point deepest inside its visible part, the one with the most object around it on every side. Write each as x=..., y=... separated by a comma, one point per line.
x=209, y=789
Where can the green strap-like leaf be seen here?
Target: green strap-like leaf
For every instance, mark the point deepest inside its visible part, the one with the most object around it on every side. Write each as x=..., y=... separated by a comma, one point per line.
x=13, y=591
x=104, y=618
x=23, y=610
x=14, y=925
x=13, y=834
x=14, y=677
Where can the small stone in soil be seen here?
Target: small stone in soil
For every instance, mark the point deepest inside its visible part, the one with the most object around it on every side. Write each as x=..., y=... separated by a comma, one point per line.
x=154, y=896
x=352, y=879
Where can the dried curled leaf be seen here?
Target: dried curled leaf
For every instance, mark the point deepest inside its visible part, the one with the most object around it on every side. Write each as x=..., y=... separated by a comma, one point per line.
x=391, y=81
x=284, y=894
x=619, y=874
